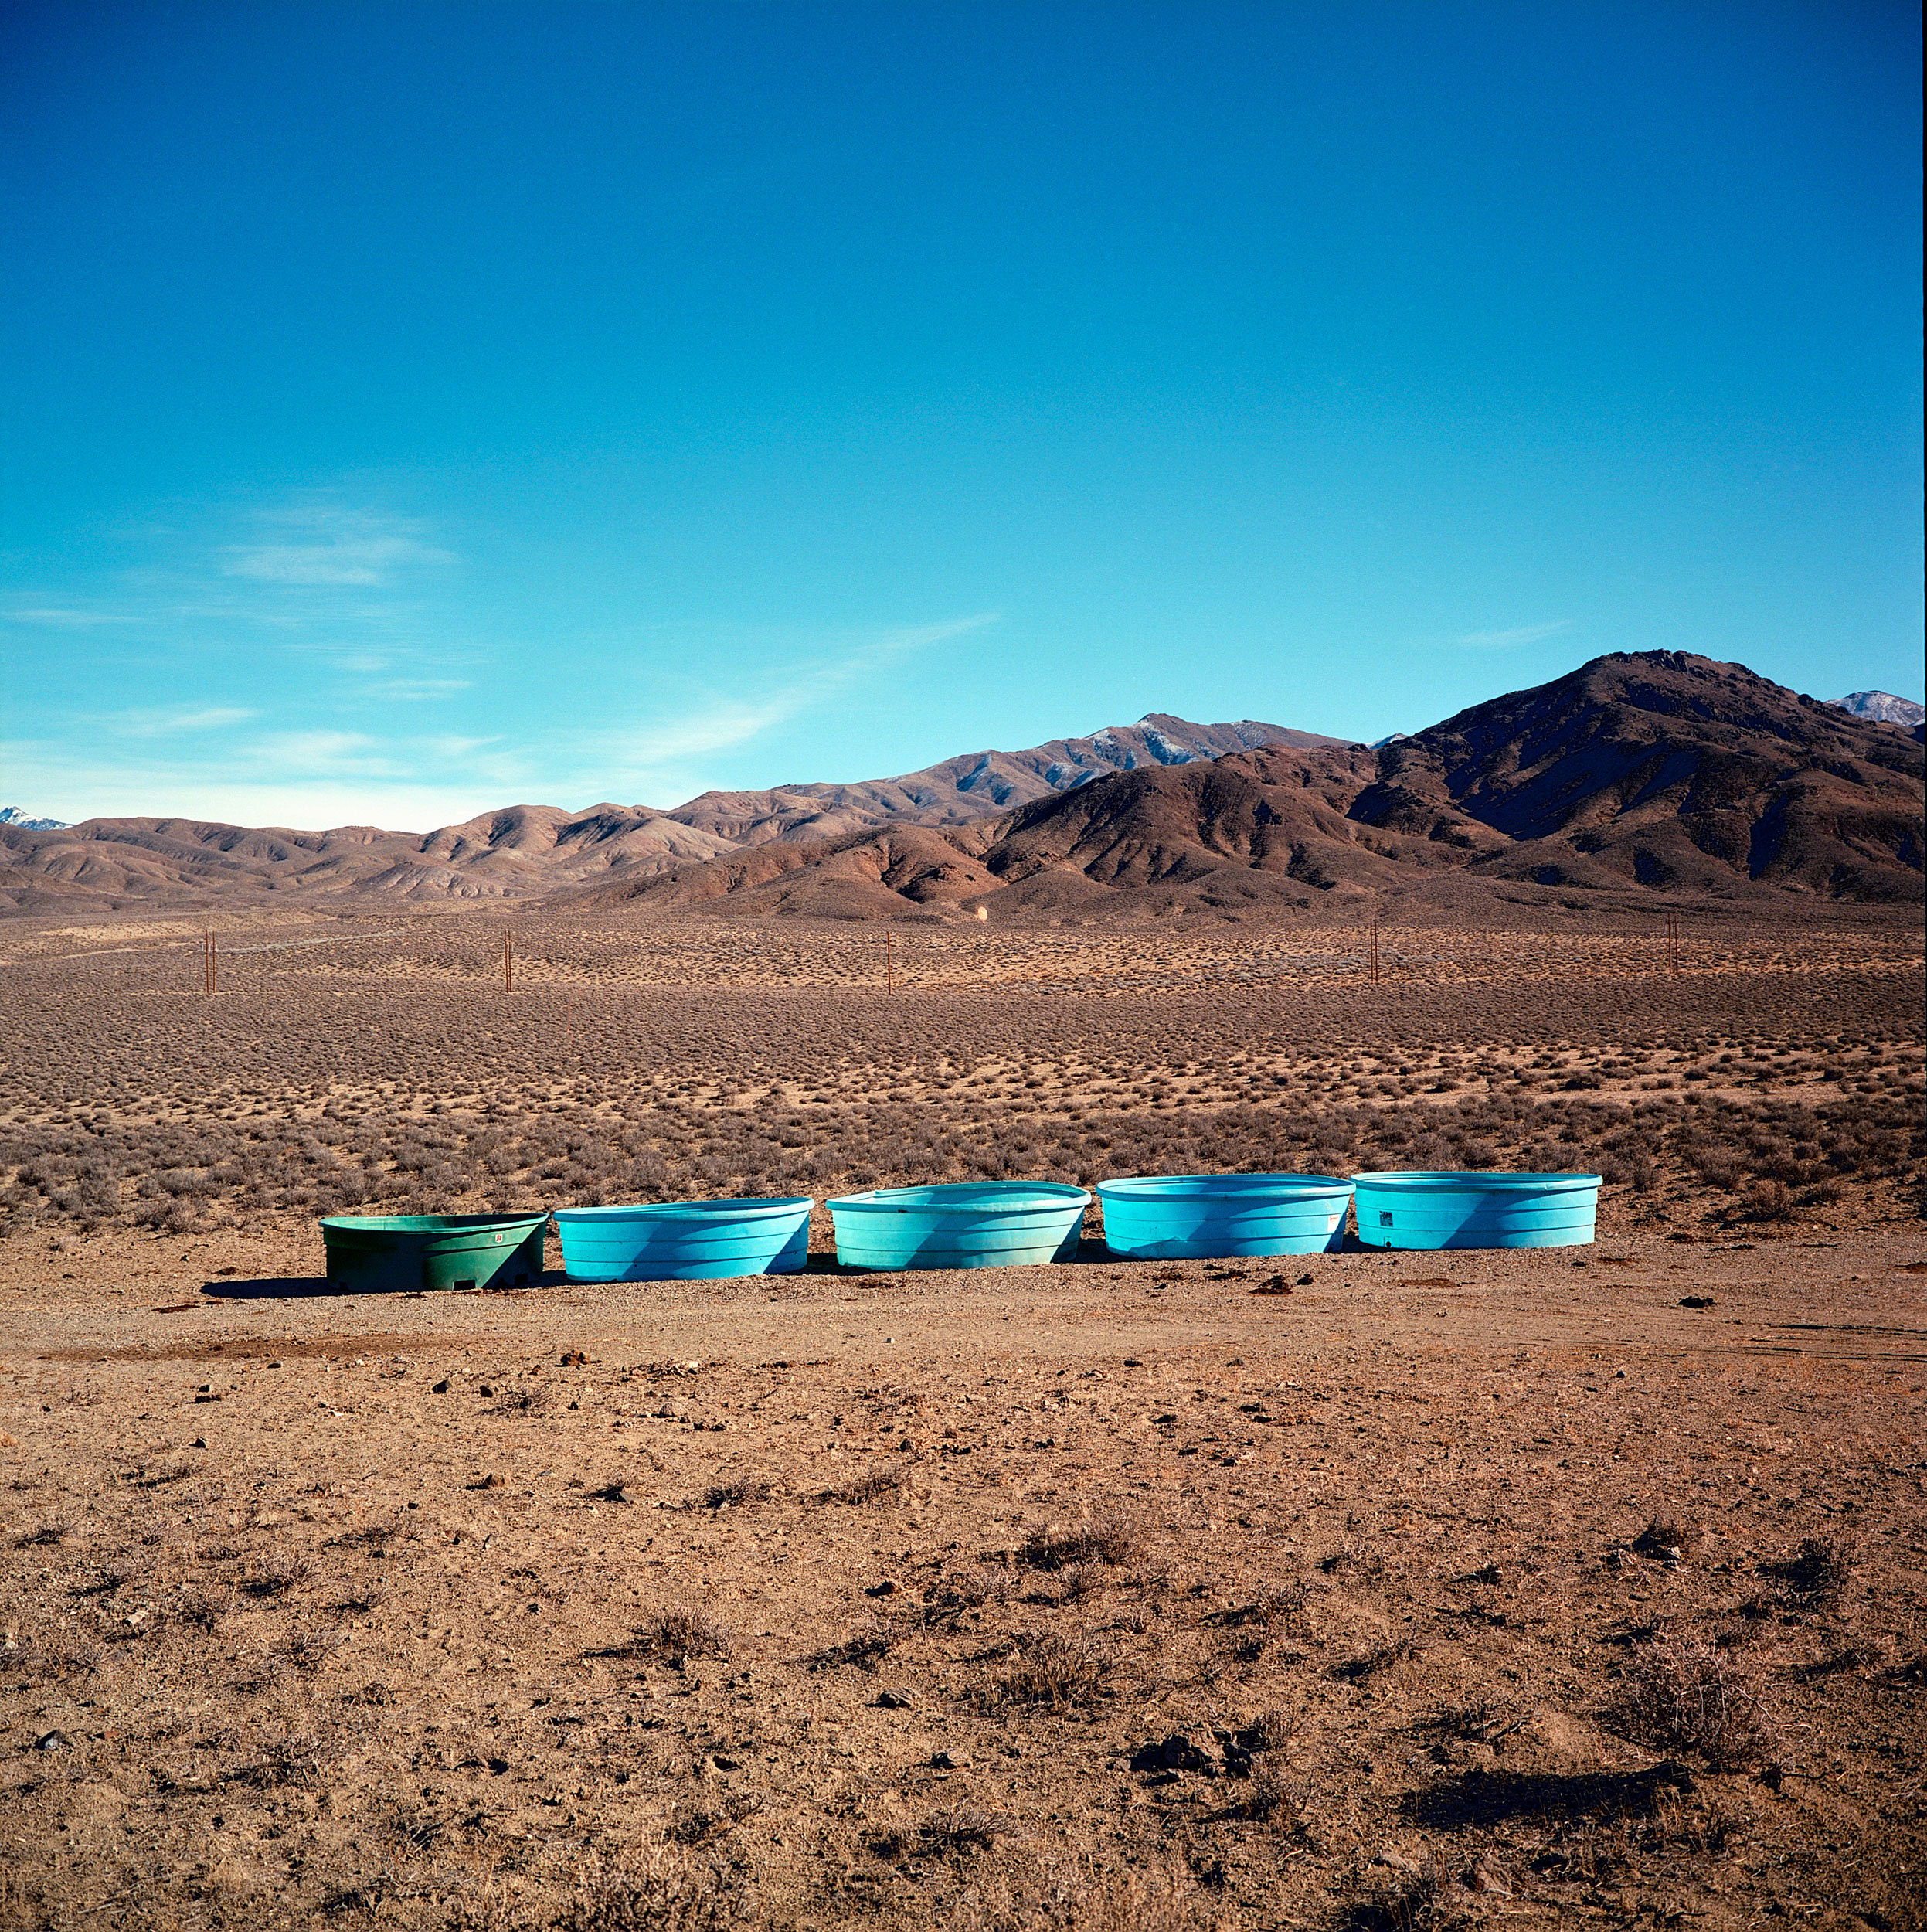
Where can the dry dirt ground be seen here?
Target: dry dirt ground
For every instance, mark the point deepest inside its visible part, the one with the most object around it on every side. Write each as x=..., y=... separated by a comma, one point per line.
x=1439, y=1590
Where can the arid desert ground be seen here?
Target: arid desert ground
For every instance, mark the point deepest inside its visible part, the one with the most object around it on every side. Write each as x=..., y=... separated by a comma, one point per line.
x=1357, y=1590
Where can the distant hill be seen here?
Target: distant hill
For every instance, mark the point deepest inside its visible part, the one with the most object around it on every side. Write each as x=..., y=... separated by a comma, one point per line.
x=1663, y=768
x=1882, y=707
x=1655, y=771
x=524, y=852
x=520, y=852
x=1652, y=771
x=977, y=784
x=18, y=815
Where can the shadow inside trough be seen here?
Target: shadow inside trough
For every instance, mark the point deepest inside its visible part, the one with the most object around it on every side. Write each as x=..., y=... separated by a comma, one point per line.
x=1497, y=1797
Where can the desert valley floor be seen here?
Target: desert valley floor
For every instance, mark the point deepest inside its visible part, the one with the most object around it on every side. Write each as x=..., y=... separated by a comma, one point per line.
x=1354, y=1590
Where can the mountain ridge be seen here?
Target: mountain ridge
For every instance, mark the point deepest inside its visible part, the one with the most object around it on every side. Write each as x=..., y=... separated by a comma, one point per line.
x=1636, y=772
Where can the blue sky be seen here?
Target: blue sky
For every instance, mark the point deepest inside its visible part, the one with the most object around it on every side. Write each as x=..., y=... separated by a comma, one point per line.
x=410, y=410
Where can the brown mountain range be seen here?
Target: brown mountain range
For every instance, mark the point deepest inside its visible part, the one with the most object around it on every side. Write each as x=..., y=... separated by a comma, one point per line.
x=978, y=784
x=1652, y=772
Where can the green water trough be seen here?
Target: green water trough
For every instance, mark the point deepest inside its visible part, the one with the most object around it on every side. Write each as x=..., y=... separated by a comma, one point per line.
x=404, y=1253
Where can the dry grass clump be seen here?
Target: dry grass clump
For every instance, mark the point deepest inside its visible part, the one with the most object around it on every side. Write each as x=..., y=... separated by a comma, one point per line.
x=961, y=1827
x=1109, y=1539
x=733, y=1495
x=676, y=1635
x=1414, y=1901
x=275, y=1578
x=1680, y=1694
x=1664, y=1537
x=1054, y=1669
x=887, y=1485
x=1814, y=1572
x=1080, y=1895
x=863, y=1652
x=658, y=1887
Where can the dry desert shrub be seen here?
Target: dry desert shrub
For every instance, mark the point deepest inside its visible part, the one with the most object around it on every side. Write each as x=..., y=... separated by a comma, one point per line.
x=864, y=1651
x=676, y=1635
x=734, y=1495
x=1813, y=1574
x=659, y=1886
x=1411, y=1901
x=1665, y=1537
x=1082, y=1895
x=1052, y=1669
x=1680, y=1694
x=887, y=1485
x=963, y=1827
x=1103, y=1539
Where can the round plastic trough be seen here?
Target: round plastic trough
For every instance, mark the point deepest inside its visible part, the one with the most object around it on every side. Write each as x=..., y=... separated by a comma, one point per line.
x=990, y=1224
x=1442, y=1210
x=685, y=1240
x=401, y=1253
x=1169, y=1217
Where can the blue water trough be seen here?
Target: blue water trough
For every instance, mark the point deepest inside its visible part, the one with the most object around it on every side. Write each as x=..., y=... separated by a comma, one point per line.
x=1169, y=1217
x=989, y=1224
x=1445, y=1210
x=685, y=1240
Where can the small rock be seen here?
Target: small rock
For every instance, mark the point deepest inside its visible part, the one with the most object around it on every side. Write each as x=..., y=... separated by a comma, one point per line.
x=575, y=1359
x=487, y=1482
x=894, y=1700
x=887, y=1588
x=952, y=1759
x=53, y=1741
x=440, y=1389
x=1696, y=1301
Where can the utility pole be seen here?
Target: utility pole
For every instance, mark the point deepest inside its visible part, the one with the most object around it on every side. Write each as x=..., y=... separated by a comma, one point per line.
x=1374, y=952
x=507, y=964
x=889, y=963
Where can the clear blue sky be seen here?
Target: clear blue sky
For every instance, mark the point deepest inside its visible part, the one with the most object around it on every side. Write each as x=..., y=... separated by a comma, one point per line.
x=411, y=409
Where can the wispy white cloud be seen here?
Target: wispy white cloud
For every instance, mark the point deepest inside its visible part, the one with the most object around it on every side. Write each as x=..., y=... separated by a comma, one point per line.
x=170, y=720
x=64, y=618
x=323, y=546
x=417, y=690
x=1507, y=640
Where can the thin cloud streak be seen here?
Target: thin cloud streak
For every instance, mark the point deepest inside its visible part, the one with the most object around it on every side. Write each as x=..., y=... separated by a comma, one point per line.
x=171, y=722
x=1510, y=640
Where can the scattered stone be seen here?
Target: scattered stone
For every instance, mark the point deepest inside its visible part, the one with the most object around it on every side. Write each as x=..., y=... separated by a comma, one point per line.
x=952, y=1758
x=53, y=1741
x=886, y=1588
x=1276, y=1285
x=1696, y=1301
x=895, y=1700
x=440, y=1389
x=487, y=1482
